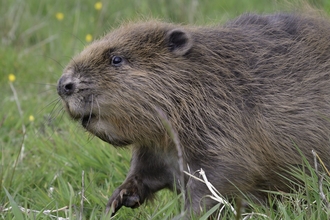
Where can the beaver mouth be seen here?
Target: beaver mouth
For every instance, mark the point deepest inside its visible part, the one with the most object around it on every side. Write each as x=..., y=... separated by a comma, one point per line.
x=86, y=120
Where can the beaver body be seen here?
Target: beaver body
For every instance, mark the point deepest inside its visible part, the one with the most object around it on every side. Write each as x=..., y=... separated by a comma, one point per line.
x=247, y=100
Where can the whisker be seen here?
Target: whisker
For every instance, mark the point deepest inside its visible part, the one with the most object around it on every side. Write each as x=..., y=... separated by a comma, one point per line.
x=76, y=66
x=44, y=84
x=54, y=102
x=91, y=111
x=49, y=90
x=98, y=107
x=92, y=106
x=60, y=111
x=51, y=58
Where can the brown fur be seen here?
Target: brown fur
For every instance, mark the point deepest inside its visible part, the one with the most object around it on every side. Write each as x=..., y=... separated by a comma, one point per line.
x=241, y=97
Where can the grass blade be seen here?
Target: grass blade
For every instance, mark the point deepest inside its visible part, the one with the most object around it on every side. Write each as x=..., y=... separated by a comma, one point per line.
x=16, y=210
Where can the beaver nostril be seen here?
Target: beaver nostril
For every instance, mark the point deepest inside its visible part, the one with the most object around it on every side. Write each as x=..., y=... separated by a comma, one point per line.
x=66, y=86
x=69, y=87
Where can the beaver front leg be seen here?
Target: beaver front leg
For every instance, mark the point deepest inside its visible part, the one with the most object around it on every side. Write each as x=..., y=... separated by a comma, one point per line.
x=150, y=171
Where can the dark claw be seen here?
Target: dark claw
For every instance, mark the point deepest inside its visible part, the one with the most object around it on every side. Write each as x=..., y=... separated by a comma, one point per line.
x=123, y=198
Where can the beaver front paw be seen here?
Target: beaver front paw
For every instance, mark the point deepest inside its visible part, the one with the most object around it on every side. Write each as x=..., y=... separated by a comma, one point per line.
x=123, y=197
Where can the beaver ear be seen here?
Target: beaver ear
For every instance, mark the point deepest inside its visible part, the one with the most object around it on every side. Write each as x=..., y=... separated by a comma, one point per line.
x=179, y=41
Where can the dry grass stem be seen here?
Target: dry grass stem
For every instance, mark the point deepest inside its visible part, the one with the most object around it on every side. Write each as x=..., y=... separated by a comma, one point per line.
x=21, y=153
x=320, y=179
x=82, y=195
x=45, y=212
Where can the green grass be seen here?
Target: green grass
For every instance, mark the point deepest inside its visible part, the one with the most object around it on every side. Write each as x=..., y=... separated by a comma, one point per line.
x=42, y=168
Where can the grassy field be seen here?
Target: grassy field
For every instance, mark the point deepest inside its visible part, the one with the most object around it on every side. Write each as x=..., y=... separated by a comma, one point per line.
x=48, y=163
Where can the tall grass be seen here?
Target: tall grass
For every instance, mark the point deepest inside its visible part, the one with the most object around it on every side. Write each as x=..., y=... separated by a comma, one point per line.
x=48, y=162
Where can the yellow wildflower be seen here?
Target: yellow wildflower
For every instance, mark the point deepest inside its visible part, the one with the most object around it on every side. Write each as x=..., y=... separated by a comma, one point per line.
x=98, y=6
x=12, y=77
x=89, y=38
x=31, y=118
x=59, y=16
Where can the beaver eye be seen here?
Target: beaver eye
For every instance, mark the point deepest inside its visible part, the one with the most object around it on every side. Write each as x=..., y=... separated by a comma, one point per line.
x=116, y=61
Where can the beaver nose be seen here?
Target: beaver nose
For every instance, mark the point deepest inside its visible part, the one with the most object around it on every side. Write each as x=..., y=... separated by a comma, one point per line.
x=65, y=86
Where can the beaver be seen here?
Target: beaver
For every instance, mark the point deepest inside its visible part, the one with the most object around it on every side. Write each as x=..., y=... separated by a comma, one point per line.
x=247, y=99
